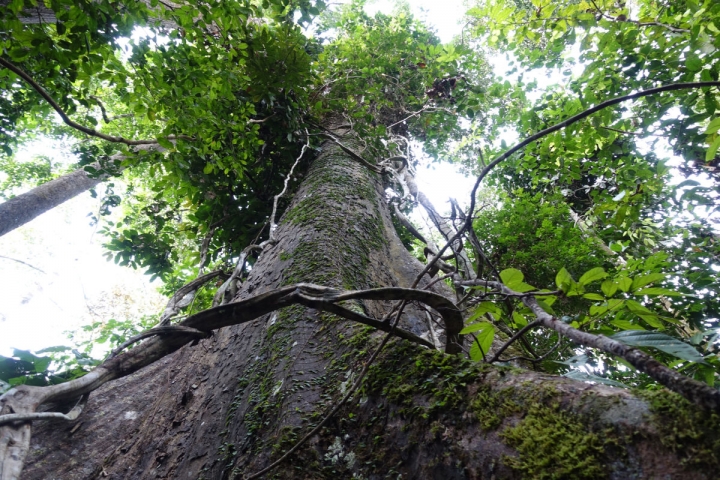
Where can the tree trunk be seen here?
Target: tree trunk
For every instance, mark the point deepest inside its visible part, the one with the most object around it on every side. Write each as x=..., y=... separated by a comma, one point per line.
x=19, y=210
x=231, y=404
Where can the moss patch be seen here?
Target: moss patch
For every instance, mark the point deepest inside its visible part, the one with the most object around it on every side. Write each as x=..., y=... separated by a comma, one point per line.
x=554, y=445
x=690, y=432
x=406, y=372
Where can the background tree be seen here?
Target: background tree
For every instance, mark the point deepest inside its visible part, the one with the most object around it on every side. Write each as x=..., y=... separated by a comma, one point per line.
x=224, y=117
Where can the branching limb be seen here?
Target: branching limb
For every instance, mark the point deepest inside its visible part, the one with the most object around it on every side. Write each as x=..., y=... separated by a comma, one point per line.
x=20, y=261
x=220, y=296
x=27, y=417
x=696, y=392
x=167, y=339
x=88, y=131
x=406, y=223
x=538, y=359
x=637, y=22
x=574, y=119
x=587, y=232
x=184, y=295
x=158, y=330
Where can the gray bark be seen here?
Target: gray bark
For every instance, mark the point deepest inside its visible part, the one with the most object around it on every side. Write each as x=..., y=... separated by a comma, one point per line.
x=229, y=405
x=23, y=208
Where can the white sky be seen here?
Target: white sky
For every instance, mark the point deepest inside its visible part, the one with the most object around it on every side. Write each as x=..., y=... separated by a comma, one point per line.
x=78, y=285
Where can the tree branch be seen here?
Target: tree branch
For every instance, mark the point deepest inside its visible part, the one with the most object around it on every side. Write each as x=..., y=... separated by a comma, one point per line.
x=89, y=131
x=696, y=392
x=574, y=119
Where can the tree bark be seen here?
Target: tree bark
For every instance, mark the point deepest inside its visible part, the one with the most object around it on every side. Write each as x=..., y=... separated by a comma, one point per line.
x=25, y=207
x=232, y=403
x=19, y=210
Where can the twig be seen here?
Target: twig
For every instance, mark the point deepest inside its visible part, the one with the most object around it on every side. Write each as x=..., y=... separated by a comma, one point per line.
x=20, y=261
x=273, y=225
x=252, y=120
x=695, y=391
x=28, y=417
x=540, y=358
x=519, y=334
x=174, y=304
x=639, y=23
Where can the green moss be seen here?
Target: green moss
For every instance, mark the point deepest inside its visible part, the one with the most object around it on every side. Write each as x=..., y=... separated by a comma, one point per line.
x=690, y=432
x=491, y=408
x=553, y=444
x=407, y=371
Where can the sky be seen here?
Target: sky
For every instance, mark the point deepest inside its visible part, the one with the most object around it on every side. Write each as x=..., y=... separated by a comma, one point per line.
x=54, y=275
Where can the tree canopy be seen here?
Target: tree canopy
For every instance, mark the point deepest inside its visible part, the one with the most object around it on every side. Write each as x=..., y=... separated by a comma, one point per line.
x=589, y=246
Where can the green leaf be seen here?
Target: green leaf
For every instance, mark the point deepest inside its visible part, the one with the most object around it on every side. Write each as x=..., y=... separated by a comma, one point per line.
x=513, y=279
x=624, y=283
x=587, y=377
x=475, y=327
x=511, y=276
x=594, y=296
x=660, y=341
x=659, y=291
x=609, y=287
x=482, y=309
x=625, y=325
x=641, y=281
x=164, y=142
x=710, y=154
x=519, y=319
x=545, y=305
x=713, y=127
x=483, y=340
x=693, y=63
x=637, y=308
x=652, y=320
x=597, y=273
x=562, y=279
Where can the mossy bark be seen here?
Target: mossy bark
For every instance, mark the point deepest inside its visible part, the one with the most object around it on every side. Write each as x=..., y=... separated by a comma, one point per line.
x=232, y=403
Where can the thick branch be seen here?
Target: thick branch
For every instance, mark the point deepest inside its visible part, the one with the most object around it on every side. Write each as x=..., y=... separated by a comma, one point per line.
x=319, y=297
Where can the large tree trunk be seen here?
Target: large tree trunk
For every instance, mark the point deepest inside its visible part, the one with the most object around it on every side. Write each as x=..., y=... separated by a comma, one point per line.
x=232, y=403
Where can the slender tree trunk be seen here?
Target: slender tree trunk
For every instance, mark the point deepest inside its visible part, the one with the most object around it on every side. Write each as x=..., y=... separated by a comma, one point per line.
x=231, y=404
x=19, y=210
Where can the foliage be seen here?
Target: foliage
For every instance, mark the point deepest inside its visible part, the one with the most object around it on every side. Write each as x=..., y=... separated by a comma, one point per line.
x=68, y=362
x=639, y=179
x=535, y=234
x=32, y=173
x=27, y=368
